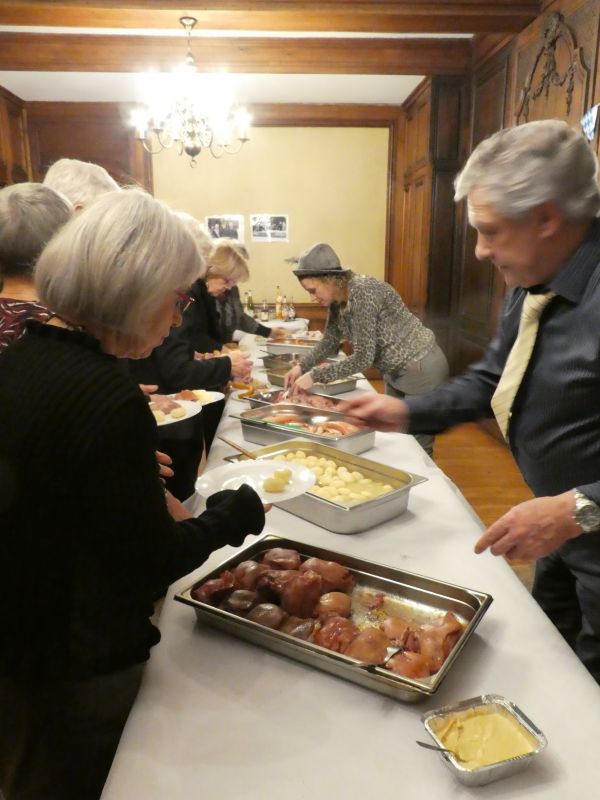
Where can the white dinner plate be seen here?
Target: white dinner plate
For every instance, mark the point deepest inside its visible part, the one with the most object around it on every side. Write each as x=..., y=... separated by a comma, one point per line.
x=232, y=476
x=213, y=397
x=191, y=407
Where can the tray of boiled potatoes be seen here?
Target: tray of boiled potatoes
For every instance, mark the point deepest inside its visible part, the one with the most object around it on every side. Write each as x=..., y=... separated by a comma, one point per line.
x=351, y=493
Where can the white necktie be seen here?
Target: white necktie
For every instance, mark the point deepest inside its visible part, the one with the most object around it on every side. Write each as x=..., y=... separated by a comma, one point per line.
x=518, y=358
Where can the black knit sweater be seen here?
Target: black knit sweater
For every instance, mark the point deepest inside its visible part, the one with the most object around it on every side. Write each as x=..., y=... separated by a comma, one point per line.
x=86, y=542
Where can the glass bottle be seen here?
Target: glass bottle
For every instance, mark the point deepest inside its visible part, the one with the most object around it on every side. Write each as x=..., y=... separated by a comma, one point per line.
x=251, y=312
x=264, y=314
x=245, y=307
x=284, y=308
x=278, y=304
x=291, y=310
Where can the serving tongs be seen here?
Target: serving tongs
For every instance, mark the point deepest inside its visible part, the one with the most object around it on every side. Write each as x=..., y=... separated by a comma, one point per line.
x=238, y=447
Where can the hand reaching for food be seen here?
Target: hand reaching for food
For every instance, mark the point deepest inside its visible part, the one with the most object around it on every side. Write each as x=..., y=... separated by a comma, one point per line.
x=241, y=365
x=292, y=376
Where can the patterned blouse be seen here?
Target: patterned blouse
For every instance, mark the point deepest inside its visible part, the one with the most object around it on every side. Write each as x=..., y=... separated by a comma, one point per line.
x=382, y=331
x=13, y=316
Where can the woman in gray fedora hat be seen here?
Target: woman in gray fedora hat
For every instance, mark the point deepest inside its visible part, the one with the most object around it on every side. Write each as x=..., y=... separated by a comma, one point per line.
x=371, y=315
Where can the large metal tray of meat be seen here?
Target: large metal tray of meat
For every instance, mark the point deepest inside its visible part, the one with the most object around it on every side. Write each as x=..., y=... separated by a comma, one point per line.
x=412, y=596
x=334, y=516
x=256, y=429
x=277, y=378
x=311, y=400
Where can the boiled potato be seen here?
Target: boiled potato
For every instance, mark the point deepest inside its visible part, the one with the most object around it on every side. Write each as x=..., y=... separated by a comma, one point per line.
x=273, y=485
x=283, y=475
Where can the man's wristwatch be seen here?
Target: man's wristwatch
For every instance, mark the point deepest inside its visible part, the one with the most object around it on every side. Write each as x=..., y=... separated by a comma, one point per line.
x=587, y=513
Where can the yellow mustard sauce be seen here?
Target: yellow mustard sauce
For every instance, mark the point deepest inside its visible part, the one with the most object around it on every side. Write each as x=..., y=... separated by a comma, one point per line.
x=483, y=735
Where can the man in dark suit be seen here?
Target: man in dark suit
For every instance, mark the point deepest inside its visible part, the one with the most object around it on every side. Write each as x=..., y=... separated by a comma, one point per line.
x=533, y=199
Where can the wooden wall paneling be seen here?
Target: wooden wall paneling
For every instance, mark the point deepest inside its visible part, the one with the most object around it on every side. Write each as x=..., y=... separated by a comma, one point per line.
x=552, y=75
x=448, y=144
x=15, y=165
x=97, y=132
x=476, y=290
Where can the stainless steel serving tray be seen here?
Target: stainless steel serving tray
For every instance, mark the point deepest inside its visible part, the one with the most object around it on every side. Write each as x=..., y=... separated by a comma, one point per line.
x=277, y=376
x=290, y=345
x=255, y=429
x=269, y=398
x=420, y=597
x=336, y=517
x=281, y=361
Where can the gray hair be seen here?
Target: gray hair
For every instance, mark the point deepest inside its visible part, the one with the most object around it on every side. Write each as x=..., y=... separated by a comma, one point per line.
x=30, y=215
x=520, y=168
x=81, y=181
x=115, y=262
x=227, y=262
x=203, y=239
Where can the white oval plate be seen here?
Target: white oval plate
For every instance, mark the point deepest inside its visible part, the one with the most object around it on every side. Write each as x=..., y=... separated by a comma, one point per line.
x=212, y=397
x=192, y=407
x=231, y=476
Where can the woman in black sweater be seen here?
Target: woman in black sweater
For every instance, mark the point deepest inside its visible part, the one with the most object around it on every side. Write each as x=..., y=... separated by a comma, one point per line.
x=86, y=540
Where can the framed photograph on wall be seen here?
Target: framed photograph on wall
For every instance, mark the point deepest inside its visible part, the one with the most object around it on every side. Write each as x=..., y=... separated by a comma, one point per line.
x=226, y=226
x=269, y=227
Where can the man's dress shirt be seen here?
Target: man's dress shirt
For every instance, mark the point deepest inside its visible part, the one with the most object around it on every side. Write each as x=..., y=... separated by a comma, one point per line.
x=554, y=430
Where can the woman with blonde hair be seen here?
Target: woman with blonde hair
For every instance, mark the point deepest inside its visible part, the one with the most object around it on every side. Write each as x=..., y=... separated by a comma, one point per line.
x=83, y=516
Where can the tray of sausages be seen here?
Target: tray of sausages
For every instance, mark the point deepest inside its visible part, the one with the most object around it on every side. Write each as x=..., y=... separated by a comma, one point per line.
x=280, y=421
x=395, y=632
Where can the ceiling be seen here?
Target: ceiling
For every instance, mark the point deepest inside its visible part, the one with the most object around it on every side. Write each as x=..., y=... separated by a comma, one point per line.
x=275, y=51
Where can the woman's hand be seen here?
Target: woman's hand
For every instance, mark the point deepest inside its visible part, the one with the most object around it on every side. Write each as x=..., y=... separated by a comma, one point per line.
x=148, y=388
x=176, y=509
x=241, y=365
x=304, y=383
x=291, y=376
x=277, y=333
x=164, y=465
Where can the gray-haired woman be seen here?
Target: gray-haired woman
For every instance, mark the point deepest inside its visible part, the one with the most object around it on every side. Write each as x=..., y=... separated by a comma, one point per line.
x=370, y=314
x=30, y=215
x=86, y=540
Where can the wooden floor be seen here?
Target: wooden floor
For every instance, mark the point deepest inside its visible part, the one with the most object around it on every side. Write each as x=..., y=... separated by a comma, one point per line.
x=485, y=472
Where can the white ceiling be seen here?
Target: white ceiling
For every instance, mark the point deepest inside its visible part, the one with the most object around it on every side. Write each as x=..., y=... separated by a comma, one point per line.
x=247, y=88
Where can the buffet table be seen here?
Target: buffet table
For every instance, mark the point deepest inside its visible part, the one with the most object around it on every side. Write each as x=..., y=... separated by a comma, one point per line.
x=217, y=717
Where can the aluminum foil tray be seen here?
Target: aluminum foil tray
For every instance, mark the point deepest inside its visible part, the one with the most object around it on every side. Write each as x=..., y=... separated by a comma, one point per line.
x=339, y=518
x=416, y=596
x=255, y=429
x=491, y=772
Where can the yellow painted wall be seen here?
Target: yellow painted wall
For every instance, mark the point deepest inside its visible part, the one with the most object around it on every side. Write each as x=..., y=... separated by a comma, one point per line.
x=331, y=182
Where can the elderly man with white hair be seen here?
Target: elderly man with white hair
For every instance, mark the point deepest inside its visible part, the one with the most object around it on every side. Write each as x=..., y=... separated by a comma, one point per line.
x=81, y=181
x=533, y=199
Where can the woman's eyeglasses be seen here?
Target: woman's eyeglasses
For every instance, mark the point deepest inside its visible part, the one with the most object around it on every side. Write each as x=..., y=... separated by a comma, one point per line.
x=183, y=302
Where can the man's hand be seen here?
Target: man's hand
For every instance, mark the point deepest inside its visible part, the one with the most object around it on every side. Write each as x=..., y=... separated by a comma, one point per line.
x=277, y=333
x=532, y=529
x=176, y=509
x=148, y=388
x=382, y=412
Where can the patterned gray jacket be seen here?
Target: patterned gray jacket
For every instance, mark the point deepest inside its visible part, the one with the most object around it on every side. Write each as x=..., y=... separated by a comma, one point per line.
x=382, y=331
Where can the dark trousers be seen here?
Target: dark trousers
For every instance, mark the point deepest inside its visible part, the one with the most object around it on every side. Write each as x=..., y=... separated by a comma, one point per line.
x=184, y=442
x=58, y=738
x=567, y=587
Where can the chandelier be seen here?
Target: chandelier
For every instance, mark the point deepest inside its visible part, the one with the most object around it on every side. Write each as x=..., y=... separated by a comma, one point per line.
x=191, y=111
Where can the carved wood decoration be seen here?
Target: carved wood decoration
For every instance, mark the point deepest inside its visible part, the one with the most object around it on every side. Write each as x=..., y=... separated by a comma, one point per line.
x=557, y=85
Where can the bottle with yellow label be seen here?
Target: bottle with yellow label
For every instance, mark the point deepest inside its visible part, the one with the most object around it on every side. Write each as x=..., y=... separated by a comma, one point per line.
x=278, y=300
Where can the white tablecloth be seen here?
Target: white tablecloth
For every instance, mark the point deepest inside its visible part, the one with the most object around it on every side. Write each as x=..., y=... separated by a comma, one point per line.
x=219, y=718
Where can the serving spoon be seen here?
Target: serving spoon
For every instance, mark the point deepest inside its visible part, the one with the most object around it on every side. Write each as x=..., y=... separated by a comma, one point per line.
x=238, y=447
x=439, y=749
